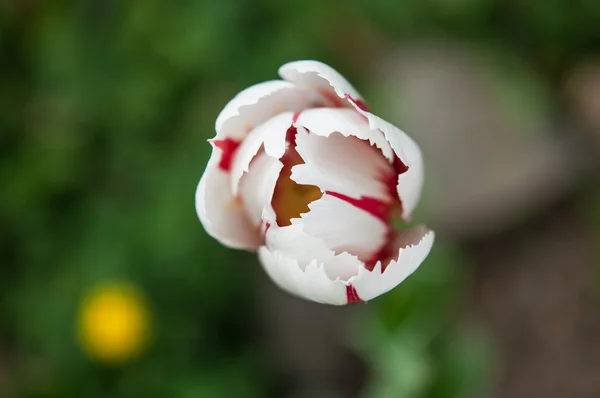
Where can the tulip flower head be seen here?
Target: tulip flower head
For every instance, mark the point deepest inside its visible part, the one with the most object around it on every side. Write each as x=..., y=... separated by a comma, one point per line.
x=303, y=173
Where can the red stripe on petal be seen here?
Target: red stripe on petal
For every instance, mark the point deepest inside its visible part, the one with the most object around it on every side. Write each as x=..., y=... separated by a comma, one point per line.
x=295, y=117
x=352, y=295
x=290, y=136
x=384, y=254
x=228, y=149
x=399, y=166
x=265, y=227
x=360, y=104
x=390, y=177
x=375, y=207
x=382, y=211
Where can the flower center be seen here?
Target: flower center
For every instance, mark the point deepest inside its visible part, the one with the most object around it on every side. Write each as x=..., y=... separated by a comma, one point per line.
x=291, y=199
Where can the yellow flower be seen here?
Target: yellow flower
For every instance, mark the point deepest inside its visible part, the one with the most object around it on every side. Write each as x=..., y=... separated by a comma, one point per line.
x=113, y=323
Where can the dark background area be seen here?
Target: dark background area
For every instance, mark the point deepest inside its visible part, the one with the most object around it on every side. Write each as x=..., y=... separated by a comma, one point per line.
x=105, y=109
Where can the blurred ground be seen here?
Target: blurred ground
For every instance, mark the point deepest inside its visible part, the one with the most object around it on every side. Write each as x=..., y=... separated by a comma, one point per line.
x=541, y=302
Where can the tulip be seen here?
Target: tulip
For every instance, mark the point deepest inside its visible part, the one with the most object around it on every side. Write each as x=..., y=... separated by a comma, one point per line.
x=305, y=175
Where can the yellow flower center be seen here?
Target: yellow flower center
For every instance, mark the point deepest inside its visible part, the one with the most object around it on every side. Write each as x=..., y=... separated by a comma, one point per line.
x=291, y=199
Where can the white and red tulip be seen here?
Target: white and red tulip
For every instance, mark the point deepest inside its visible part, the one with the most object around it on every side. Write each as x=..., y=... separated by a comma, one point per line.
x=304, y=174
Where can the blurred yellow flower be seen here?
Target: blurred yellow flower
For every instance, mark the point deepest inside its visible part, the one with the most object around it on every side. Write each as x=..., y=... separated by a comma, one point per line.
x=113, y=323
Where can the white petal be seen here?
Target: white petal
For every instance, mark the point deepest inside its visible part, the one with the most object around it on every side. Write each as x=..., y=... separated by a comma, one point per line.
x=410, y=183
x=414, y=246
x=291, y=241
x=311, y=283
x=257, y=104
x=343, y=226
x=271, y=134
x=320, y=78
x=348, y=122
x=222, y=215
x=308, y=276
x=257, y=186
x=345, y=165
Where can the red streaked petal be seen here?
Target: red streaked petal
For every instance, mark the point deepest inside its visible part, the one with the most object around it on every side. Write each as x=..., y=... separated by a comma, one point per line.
x=374, y=207
x=411, y=248
x=300, y=264
x=410, y=182
x=228, y=148
x=358, y=102
x=352, y=295
x=344, y=227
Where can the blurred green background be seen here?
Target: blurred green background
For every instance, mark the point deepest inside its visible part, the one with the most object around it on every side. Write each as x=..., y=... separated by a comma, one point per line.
x=106, y=107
